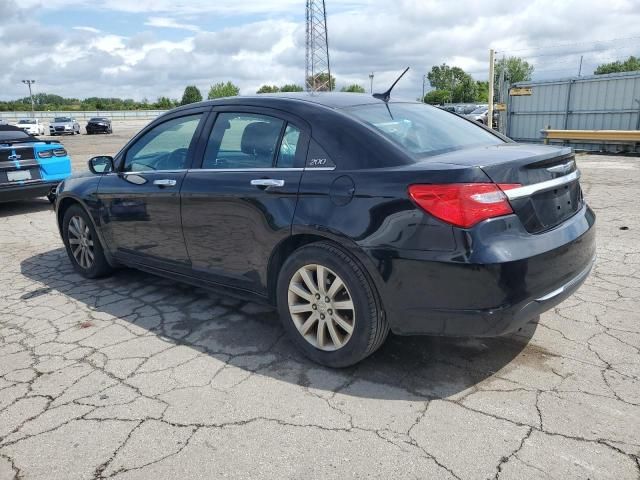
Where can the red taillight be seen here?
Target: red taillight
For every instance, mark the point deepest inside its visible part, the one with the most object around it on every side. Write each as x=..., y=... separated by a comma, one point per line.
x=463, y=204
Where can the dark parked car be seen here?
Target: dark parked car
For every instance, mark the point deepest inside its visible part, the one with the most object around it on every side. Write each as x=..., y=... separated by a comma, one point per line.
x=30, y=167
x=354, y=216
x=99, y=125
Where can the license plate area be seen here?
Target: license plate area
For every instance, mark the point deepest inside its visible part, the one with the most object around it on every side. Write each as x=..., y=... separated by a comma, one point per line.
x=545, y=210
x=19, y=175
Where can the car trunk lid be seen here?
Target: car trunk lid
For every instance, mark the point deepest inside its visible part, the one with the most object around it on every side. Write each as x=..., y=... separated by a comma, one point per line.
x=550, y=191
x=18, y=164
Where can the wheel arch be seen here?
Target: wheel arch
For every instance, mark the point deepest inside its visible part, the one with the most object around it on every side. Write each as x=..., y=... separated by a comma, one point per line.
x=297, y=240
x=67, y=202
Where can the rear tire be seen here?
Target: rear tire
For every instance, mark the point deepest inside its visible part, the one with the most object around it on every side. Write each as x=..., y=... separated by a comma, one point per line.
x=84, y=249
x=334, y=326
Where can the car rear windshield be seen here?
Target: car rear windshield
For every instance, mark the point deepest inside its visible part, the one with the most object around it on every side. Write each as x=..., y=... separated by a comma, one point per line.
x=61, y=119
x=26, y=122
x=11, y=133
x=423, y=130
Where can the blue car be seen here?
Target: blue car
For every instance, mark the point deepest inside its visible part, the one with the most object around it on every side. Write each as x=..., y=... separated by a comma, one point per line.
x=30, y=167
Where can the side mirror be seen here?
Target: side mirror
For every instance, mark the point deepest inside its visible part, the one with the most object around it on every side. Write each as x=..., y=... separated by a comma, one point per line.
x=101, y=164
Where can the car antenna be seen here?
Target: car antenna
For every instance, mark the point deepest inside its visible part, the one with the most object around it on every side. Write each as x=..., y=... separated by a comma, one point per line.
x=387, y=95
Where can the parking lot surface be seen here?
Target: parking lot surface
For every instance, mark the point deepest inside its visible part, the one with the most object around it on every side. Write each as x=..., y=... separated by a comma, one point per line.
x=136, y=377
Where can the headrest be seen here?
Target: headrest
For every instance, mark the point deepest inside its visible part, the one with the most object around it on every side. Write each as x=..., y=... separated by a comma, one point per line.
x=259, y=138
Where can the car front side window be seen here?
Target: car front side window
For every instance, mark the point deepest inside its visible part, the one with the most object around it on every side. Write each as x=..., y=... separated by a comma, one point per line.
x=164, y=147
x=243, y=140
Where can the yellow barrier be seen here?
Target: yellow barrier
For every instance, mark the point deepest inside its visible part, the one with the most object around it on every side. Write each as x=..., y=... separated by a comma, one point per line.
x=592, y=135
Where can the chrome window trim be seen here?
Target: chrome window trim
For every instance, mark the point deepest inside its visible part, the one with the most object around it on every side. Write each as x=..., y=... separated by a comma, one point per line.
x=266, y=169
x=189, y=170
x=142, y=172
x=527, y=190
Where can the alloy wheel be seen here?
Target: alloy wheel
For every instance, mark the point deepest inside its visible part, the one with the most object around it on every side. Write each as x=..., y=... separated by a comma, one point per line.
x=81, y=242
x=321, y=307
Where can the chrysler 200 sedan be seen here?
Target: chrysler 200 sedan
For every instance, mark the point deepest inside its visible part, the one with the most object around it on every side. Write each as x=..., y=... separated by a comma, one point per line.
x=353, y=215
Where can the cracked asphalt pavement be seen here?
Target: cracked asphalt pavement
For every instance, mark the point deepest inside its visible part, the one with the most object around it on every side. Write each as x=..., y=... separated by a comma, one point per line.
x=137, y=377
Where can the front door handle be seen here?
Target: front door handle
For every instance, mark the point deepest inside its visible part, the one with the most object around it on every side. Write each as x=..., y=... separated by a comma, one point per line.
x=165, y=182
x=267, y=182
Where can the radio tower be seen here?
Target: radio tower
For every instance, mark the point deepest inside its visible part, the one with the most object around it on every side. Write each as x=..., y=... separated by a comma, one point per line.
x=318, y=73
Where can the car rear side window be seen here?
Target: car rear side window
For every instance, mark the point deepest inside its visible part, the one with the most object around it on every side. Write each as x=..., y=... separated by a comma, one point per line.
x=243, y=140
x=423, y=130
x=164, y=147
x=288, y=147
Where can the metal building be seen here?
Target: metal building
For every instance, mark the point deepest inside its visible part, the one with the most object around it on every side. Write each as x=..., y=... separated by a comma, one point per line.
x=594, y=102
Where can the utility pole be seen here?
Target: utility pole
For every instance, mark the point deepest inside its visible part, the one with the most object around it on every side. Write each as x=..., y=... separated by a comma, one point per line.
x=491, y=75
x=371, y=83
x=580, y=67
x=424, y=80
x=28, y=83
x=501, y=98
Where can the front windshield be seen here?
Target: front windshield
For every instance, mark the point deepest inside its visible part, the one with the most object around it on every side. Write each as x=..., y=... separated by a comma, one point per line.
x=98, y=120
x=61, y=119
x=26, y=122
x=480, y=110
x=423, y=130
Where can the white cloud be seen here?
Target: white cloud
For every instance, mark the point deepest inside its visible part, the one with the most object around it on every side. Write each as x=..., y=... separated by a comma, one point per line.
x=165, y=22
x=264, y=42
x=86, y=29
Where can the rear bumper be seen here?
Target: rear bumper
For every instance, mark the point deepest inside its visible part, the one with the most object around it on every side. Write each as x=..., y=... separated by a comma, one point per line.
x=23, y=191
x=464, y=296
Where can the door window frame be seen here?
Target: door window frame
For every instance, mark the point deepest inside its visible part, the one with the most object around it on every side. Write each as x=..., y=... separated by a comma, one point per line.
x=285, y=117
x=205, y=112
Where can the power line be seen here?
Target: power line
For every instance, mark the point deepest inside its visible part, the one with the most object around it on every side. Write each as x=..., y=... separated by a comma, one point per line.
x=561, y=45
x=579, y=52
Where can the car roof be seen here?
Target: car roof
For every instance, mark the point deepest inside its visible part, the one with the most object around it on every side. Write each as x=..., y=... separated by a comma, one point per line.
x=335, y=100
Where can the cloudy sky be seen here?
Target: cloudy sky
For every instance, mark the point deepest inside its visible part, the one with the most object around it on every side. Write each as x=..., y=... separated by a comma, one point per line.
x=139, y=48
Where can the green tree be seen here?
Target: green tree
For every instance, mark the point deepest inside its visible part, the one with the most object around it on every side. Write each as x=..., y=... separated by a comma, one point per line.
x=353, y=88
x=291, y=88
x=515, y=70
x=460, y=84
x=631, y=64
x=191, y=95
x=268, y=89
x=222, y=89
x=164, y=103
x=444, y=77
x=322, y=82
x=482, y=92
x=437, y=97
x=465, y=90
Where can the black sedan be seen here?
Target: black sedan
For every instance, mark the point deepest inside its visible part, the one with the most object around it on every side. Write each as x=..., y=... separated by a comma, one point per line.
x=99, y=125
x=353, y=215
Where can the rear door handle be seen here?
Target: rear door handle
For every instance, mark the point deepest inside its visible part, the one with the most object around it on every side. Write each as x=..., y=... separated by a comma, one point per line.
x=267, y=182
x=165, y=182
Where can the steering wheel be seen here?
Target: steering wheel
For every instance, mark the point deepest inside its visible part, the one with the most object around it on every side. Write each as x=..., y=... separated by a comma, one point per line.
x=175, y=160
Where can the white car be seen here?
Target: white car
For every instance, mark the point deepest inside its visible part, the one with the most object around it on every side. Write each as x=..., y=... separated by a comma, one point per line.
x=32, y=126
x=64, y=125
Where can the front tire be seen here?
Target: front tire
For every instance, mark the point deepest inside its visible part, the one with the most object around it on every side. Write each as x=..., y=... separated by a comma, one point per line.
x=329, y=307
x=83, y=245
